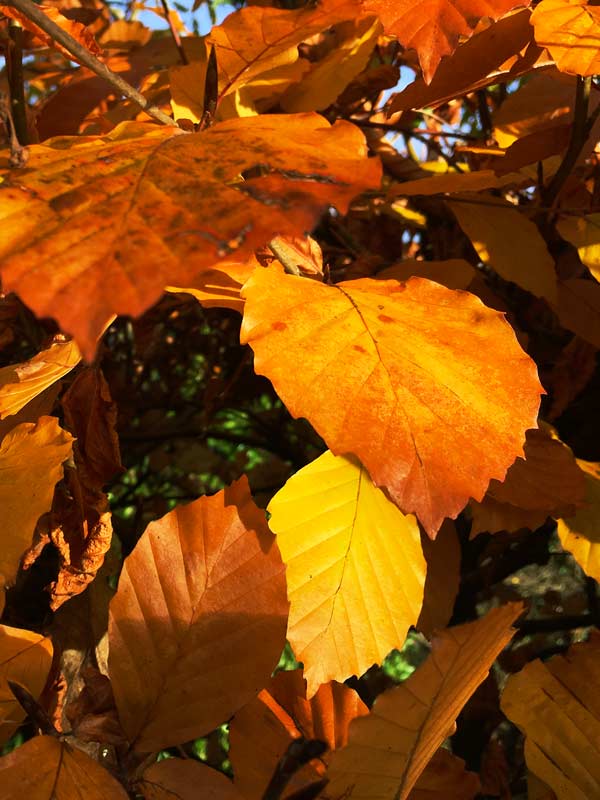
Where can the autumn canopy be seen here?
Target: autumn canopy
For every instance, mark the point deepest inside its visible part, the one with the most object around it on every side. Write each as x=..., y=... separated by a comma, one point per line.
x=299, y=436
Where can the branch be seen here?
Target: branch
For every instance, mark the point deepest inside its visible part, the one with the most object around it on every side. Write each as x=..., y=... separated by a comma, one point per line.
x=81, y=54
x=16, y=82
x=174, y=33
x=579, y=136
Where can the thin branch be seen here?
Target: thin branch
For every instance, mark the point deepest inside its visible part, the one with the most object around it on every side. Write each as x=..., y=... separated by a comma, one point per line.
x=467, y=137
x=83, y=56
x=16, y=81
x=579, y=136
x=174, y=33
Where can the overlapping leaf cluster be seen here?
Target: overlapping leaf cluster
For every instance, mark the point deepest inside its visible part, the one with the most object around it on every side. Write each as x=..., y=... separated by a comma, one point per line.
x=401, y=202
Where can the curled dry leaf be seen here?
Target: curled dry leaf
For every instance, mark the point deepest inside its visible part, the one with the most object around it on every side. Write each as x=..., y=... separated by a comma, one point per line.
x=220, y=288
x=354, y=565
x=21, y=383
x=413, y=364
x=570, y=29
x=70, y=26
x=31, y=458
x=45, y=768
x=203, y=585
x=389, y=749
x=262, y=731
x=174, y=778
x=164, y=207
x=556, y=704
x=434, y=29
x=25, y=658
x=580, y=533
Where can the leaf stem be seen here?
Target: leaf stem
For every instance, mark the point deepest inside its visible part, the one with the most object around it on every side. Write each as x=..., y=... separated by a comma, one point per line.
x=174, y=33
x=81, y=54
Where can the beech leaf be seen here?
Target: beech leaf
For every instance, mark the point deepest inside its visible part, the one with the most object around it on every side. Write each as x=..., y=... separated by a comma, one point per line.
x=570, y=29
x=584, y=234
x=163, y=207
x=390, y=748
x=354, y=565
x=261, y=732
x=556, y=704
x=25, y=658
x=45, y=768
x=20, y=383
x=580, y=533
x=31, y=458
x=411, y=365
x=176, y=779
x=203, y=585
x=433, y=27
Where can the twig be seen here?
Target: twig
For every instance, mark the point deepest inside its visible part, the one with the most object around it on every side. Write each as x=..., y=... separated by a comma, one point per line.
x=33, y=709
x=467, y=137
x=174, y=33
x=299, y=753
x=485, y=118
x=579, y=135
x=16, y=81
x=81, y=54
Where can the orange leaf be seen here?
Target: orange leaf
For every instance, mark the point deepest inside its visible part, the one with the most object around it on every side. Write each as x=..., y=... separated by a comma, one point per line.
x=176, y=779
x=72, y=27
x=203, y=585
x=433, y=27
x=579, y=533
x=262, y=731
x=25, y=658
x=404, y=366
x=20, y=383
x=31, y=458
x=390, y=748
x=570, y=29
x=149, y=206
x=44, y=768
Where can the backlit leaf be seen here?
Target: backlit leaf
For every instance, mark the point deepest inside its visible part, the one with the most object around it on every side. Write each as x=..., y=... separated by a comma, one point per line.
x=203, y=585
x=148, y=206
x=354, y=566
x=570, y=29
x=404, y=367
x=506, y=240
x=25, y=658
x=445, y=778
x=31, y=458
x=261, y=732
x=45, y=768
x=580, y=533
x=584, y=234
x=390, y=748
x=20, y=383
x=433, y=27
x=556, y=704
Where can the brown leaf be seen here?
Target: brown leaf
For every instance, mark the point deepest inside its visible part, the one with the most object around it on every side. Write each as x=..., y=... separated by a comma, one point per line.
x=25, y=658
x=443, y=578
x=45, y=768
x=93, y=714
x=172, y=222
x=445, y=778
x=176, y=779
x=390, y=748
x=170, y=638
x=262, y=731
x=396, y=366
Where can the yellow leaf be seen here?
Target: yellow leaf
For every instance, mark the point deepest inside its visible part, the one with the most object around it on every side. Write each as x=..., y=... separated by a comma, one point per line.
x=404, y=366
x=354, y=565
x=31, y=457
x=45, y=768
x=510, y=243
x=20, y=383
x=329, y=77
x=570, y=29
x=390, y=748
x=580, y=533
x=584, y=234
x=203, y=585
x=25, y=658
x=556, y=704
